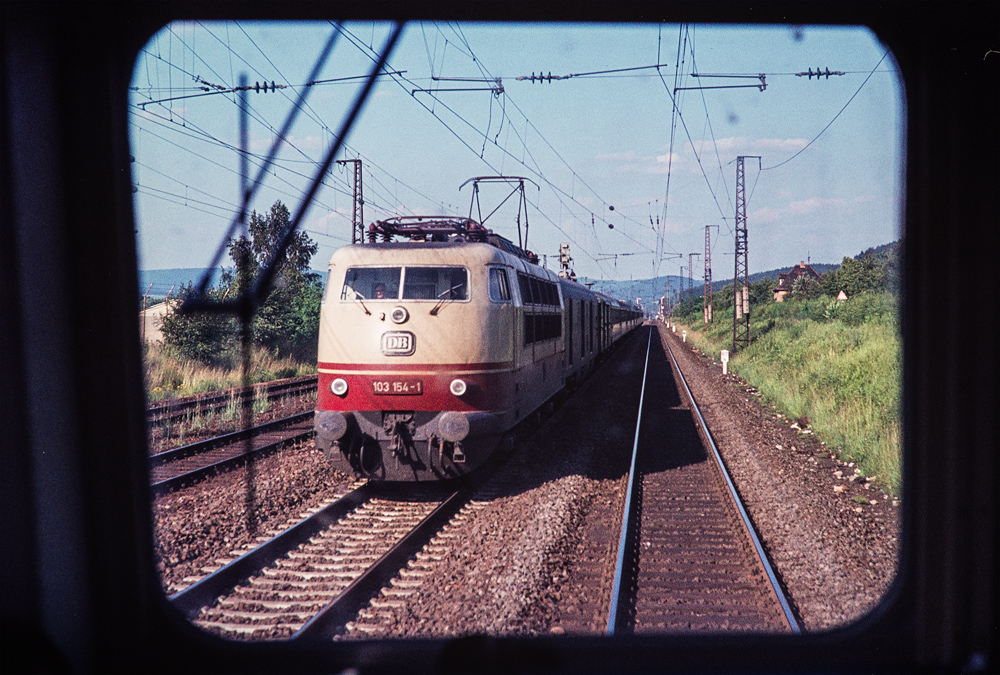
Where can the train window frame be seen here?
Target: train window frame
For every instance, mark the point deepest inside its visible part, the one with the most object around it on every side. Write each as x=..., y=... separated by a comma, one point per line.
x=345, y=289
x=501, y=291
x=924, y=622
x=524, y=286
x=467, y=284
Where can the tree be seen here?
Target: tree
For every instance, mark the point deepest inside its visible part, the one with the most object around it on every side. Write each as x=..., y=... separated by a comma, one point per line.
x=288, y=319
x=805, y=288
x=829, y=283
x=203, y=336
x=252, y=253
x=873, y=271
x=761, y=292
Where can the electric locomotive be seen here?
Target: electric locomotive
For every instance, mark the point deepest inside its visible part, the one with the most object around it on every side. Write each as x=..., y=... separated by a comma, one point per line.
x=432, y=349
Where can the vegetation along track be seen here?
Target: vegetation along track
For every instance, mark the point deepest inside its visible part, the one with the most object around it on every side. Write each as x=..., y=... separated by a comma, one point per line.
x=688, y=557
x=179, y=409
x=191, y=463
x=312, y=579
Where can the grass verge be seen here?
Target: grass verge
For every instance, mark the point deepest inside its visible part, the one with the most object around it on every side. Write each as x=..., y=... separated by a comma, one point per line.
x=845, y=378
x=169, y=375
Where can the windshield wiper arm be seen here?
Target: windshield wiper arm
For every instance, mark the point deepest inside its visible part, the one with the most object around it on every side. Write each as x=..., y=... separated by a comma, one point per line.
x=358, y=297
x=440, y=304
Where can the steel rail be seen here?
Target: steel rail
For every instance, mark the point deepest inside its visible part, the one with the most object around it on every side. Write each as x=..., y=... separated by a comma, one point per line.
x=157, y=414
x=203, y=593
x=626, y=516
x=345, y=606
x=168, y=484
x=161, y=458
x=779, y=594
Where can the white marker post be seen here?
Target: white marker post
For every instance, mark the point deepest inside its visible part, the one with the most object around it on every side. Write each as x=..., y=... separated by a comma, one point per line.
x=725, y=360
x=684, y=335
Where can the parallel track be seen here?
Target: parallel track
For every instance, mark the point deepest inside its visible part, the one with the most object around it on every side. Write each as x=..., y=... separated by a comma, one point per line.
x=270, y=391
x=311, y=580
x=190, y=463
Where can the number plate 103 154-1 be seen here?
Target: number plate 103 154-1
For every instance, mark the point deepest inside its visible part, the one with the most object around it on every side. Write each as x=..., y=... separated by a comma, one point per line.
x=397, y=387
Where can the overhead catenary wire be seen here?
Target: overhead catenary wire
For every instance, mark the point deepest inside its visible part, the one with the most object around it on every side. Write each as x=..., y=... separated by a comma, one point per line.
x=181, y=200
x=830, y=123
x=471, y=149
x=537, y=168
x=309, y=111
x=539, y=163
x=694, y=151
x=277, y=161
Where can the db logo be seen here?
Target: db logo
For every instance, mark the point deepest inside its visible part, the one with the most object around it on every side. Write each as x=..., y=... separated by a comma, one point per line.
x=398, y=343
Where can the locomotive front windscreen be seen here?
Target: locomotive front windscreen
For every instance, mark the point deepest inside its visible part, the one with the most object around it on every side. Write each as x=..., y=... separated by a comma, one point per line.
x=372, y=283
x=417, y=283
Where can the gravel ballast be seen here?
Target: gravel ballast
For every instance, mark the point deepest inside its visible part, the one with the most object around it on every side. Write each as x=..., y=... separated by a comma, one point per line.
x=533, y=553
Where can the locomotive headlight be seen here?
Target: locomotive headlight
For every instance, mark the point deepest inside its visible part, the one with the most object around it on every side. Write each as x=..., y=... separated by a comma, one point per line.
x=459, y=387
x=339, y=386
x=399, y=315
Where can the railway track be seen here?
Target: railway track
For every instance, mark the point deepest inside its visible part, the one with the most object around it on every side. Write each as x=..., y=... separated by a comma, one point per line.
x=311, y=580
x=688, y=556
x=179, y=409
x=367, y=564
x=190, y=463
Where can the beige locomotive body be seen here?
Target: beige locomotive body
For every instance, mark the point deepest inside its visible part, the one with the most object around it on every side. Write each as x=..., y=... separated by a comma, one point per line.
x=431, y=352
x=435, y=371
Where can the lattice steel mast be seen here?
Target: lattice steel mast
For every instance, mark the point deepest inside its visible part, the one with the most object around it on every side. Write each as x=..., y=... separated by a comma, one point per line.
x=741, y=276
x=706, y=291
x=358, y=217
x=691, y=273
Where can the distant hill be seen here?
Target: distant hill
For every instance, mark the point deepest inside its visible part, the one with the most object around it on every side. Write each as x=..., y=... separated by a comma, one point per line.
x=884, y=248
x=650, y=290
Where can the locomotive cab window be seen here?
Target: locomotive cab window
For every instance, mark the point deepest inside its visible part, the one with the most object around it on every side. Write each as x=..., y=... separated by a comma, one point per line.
x=435, y=283
x=499, y=290
x=371, y=283
x=577, y=329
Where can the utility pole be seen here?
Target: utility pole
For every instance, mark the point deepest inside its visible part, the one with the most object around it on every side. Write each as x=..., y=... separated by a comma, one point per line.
x=706, y=291
x=741, y=276
x=691, y=272
x=358, y=217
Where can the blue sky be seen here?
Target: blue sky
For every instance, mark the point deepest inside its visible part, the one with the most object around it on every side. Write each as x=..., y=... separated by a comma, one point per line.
x=590, y=142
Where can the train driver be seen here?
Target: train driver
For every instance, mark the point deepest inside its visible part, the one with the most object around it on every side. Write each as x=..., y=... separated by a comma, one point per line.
x=380, y=291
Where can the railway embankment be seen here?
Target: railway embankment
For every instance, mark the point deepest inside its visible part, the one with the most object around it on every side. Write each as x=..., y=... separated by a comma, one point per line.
x=832, y=534
x=840, y=372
